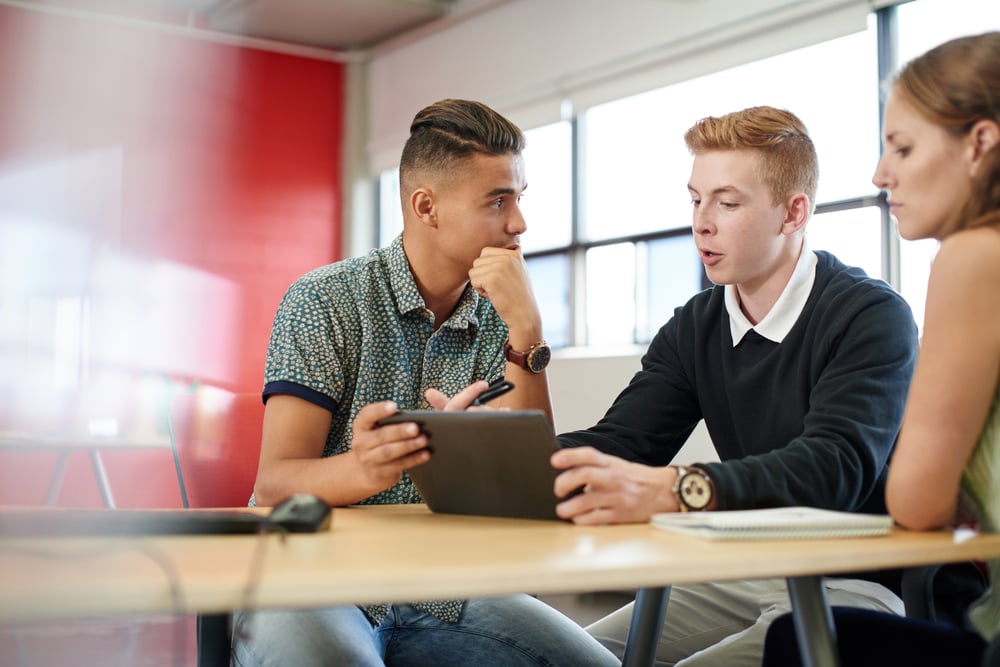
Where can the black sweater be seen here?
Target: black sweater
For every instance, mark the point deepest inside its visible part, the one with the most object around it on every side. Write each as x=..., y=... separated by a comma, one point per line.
x=809, y=421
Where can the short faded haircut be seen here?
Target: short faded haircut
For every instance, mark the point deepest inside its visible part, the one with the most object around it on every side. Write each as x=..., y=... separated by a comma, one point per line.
x=446, y=133
x=787, y=161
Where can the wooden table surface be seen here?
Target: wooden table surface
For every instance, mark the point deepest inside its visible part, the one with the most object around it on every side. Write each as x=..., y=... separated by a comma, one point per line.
x=406, y=553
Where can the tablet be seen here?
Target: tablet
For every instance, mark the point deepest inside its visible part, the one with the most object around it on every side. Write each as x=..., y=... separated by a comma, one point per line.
x=486, y=462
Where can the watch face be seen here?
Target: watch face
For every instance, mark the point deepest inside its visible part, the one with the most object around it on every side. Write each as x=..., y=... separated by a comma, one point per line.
x=696, y=492
x=539, y=358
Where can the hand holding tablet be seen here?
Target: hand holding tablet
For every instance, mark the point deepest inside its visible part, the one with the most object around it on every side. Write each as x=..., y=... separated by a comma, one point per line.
x=486, y=462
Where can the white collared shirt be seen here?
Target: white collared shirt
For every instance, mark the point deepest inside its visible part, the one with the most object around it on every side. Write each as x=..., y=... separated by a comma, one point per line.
x=785, y=311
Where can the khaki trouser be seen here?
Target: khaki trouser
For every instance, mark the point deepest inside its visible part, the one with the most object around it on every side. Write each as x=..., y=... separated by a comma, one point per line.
x=708, y=625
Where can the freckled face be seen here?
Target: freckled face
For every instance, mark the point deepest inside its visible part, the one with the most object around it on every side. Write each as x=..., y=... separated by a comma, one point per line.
x=923, y=169
x=737, y=228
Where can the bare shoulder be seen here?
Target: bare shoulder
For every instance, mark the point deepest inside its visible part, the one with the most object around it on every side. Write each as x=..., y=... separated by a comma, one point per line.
x=962, y=290
x=985, y=239
x=971, y=256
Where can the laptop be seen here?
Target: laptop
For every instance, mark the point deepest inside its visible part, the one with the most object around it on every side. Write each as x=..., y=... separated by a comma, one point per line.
x=487, y=463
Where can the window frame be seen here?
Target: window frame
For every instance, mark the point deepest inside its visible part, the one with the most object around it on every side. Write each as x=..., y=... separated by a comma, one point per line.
x=887, y=47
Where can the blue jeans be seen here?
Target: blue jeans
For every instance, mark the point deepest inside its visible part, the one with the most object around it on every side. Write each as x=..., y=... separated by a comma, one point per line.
x=510, y=631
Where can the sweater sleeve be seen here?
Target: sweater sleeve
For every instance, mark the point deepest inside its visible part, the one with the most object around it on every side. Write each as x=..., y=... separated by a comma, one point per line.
x=860, y=360
x=653, y=416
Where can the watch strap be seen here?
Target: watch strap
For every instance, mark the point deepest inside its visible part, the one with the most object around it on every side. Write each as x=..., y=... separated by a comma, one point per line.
x=515, y=356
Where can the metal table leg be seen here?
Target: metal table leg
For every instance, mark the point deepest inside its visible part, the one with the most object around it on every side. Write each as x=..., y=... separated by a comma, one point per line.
x=102, y=477
x=57, y=479
x=647, y=622
x=214, y=645
x=814, y=627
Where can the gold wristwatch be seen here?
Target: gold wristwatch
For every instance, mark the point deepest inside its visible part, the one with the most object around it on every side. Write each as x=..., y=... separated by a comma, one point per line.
x=534, y=360
x=693, y=488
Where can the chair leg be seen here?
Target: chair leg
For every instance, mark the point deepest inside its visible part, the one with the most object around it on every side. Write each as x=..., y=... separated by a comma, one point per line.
x=174, y=447
x=214, y=646
x=918, y=592
x=991, y=658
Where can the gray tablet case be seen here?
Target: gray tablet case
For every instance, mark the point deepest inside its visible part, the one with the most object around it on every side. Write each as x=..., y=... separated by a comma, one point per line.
x=492, y=463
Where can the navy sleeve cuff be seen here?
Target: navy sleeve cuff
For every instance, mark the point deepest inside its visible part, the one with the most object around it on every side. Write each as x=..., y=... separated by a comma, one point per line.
x=299, y=391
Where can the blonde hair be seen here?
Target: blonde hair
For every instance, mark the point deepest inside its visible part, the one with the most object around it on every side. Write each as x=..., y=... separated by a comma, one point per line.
x=955, y=85
x=787, y=161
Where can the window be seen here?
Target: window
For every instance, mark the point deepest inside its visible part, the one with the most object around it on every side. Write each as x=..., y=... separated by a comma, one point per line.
x=610, y=310
x=550, y=280
x=673, y=273
x=547, y=203
x=609, y=246
x=390, y=209
x=646, y=132
x=922, y=26
x=631, y=288
x=926, y=23
x=853, y=235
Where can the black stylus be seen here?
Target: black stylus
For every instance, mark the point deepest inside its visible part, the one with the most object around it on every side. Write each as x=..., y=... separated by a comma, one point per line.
x=498, y=388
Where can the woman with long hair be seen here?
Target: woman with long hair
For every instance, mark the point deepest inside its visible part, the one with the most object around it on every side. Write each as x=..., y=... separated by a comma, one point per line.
x=941, y=170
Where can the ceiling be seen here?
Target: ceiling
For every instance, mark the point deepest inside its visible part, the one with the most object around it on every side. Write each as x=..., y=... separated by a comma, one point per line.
x=349, y=28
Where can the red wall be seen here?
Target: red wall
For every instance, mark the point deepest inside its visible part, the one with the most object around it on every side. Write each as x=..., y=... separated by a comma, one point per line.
x=157, y=196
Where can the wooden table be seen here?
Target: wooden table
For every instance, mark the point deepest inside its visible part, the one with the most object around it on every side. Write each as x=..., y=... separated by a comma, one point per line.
x=405, y=553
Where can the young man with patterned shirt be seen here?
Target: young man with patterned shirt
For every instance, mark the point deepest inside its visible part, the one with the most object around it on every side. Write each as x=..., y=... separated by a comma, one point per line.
x=443, y=310
x=798, y=364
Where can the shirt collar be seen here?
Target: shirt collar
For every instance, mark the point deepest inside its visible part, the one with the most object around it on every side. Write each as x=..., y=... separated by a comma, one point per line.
x=404, y=288
x=408, y=298
x=786, y=310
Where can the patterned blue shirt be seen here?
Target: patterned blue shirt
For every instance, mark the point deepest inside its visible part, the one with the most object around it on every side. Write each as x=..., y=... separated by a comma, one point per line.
x=357, y=332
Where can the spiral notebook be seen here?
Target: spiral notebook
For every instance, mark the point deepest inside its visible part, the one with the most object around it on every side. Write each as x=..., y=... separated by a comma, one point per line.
x=774, y=523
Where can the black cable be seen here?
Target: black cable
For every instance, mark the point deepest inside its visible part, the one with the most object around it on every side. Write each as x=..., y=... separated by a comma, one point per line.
x=247, y=606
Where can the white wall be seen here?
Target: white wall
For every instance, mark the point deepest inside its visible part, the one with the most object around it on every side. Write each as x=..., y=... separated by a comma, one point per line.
x=583, y=384
x=534, y=59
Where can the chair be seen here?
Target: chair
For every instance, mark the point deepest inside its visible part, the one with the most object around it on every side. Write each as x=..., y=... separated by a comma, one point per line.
x=216, y=439
x=992, y=656
x=216, y=443
x=942, y=593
